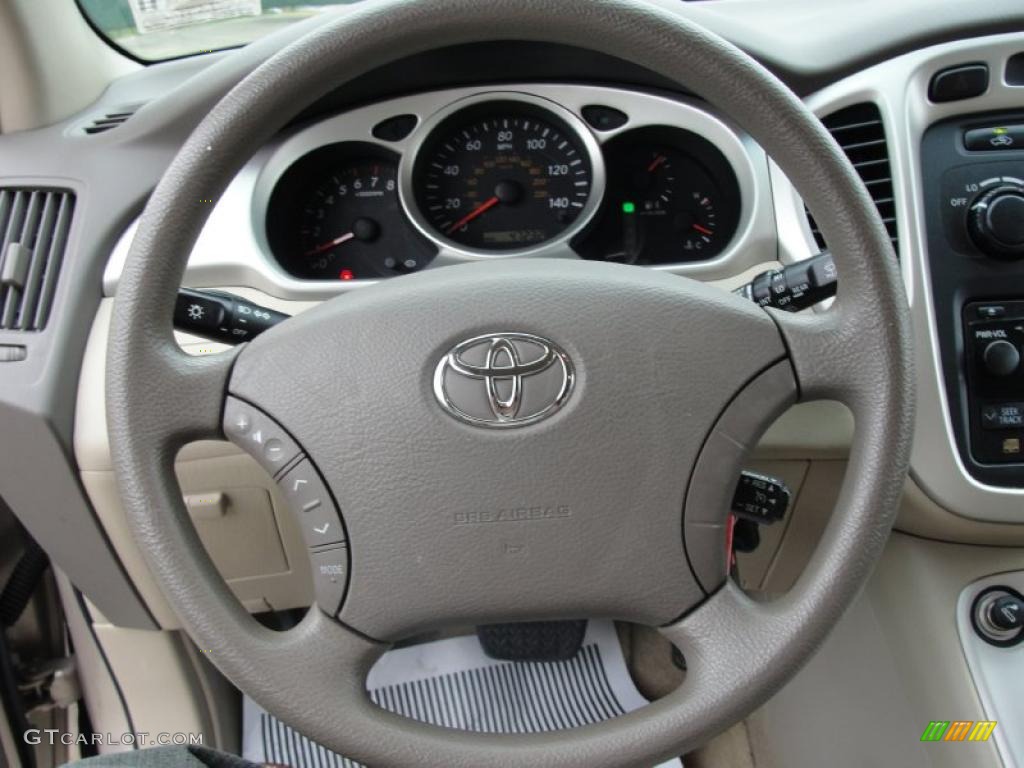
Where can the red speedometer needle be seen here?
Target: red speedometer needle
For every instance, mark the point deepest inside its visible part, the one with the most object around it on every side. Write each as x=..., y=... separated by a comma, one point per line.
x=703, y=230
x=327, y=246
x=482, y=208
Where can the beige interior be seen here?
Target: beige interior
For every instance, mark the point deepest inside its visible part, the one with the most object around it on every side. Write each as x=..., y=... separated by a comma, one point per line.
x=897, y=647
x=893, y=664
x=249, y=533
x=881, y=650
x=42, y=82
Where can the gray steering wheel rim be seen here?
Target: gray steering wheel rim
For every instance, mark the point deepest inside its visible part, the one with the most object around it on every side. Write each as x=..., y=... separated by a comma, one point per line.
x=858, y=353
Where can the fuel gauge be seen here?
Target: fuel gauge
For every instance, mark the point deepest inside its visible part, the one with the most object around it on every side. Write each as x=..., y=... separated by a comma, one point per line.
x=667, y=200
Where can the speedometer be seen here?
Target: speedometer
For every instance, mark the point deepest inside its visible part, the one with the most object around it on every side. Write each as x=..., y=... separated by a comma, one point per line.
x=504, y=176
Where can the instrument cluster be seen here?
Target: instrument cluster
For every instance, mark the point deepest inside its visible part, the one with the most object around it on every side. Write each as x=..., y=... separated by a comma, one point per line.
x=504, y=174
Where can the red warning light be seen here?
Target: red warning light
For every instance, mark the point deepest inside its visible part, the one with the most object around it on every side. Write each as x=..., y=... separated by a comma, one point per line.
x=347, y=274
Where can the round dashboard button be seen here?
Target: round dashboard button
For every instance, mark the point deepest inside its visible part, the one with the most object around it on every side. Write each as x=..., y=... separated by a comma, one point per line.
x=1001, y=358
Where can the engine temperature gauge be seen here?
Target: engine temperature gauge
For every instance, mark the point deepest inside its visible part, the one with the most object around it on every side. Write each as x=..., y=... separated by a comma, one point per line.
x=674, y=206
x=671, y=198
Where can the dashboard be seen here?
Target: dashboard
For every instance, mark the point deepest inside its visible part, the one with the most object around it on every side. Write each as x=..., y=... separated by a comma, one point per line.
x=659, y=171
x=393, y=123
x=460, y=174
x=456, y=175
x=602, y=163
x=503, y=173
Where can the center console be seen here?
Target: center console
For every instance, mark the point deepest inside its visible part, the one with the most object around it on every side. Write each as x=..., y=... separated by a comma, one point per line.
x=973, y=176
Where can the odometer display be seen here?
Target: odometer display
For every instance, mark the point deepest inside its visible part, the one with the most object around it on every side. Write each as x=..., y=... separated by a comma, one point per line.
x=502, y=177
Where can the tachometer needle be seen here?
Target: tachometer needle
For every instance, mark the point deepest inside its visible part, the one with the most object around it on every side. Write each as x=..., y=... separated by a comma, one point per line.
x=335, y=242
x=482, y=208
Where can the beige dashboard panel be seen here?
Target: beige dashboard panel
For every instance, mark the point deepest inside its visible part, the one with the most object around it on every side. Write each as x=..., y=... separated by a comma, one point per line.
x=898, y=649
x=255, y=544
x=145, y=662
x=923, y=517
x=822, y=429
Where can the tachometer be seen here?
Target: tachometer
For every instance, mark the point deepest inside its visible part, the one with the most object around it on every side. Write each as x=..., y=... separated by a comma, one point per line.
x=335, y=215
x=504, y=176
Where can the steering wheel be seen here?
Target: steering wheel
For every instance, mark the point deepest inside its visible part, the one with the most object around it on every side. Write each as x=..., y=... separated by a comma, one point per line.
x=649, y=390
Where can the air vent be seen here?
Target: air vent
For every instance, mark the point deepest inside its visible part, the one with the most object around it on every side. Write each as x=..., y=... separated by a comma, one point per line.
x=861, y=134
x=34, y=226
x=111, y=120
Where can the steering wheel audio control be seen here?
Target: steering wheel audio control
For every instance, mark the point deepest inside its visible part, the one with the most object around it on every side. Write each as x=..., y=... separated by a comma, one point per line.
x=307, y=495
x=995, y=221
x=257, y=434
x=998, y=616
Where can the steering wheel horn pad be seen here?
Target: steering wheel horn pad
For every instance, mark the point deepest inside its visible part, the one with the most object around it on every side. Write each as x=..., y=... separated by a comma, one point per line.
x=674, y=381
x=429, y=502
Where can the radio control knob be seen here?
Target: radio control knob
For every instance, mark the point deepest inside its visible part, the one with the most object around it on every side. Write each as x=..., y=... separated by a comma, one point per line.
x=1001, y=358
x=996, y=222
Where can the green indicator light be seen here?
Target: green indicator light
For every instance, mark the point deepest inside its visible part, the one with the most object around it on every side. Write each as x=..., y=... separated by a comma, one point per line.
x=628, y=208
x=999, y=131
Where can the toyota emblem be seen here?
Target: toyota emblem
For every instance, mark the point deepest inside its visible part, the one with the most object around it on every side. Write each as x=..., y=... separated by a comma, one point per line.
x=503, y=379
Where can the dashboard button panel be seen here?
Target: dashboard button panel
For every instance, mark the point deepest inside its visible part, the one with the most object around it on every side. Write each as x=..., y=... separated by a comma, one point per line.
x=259, y=435
x=312, y=505
x=305, y=491
x=995, y=381
x=973, y=202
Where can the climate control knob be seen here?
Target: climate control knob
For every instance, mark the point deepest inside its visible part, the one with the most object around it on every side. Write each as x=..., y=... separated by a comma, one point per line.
x=996, y=222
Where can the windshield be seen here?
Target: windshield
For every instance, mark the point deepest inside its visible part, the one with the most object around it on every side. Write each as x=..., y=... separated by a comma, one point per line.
x=152, y=30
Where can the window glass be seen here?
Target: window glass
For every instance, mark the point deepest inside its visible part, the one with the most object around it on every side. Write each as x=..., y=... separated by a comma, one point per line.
x=152, y=30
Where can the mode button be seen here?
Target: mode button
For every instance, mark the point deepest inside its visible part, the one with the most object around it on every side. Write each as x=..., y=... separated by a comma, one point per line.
x=330, y=577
